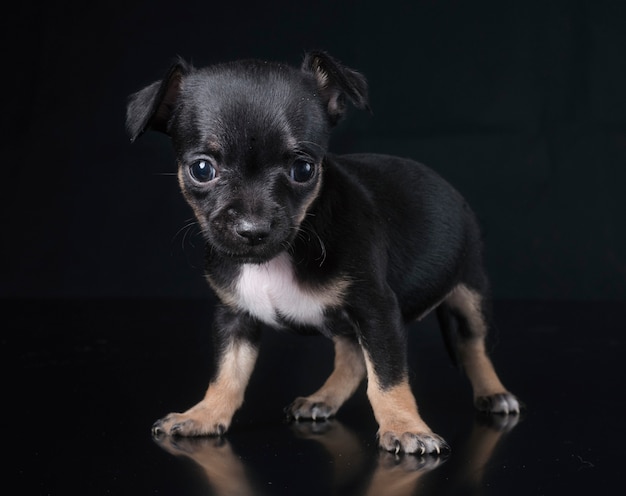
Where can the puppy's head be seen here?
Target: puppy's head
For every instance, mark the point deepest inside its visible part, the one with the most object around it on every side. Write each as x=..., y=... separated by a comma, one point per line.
x=250, y=138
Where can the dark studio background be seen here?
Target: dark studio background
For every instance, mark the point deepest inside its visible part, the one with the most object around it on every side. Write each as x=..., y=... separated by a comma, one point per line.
x=521, y=105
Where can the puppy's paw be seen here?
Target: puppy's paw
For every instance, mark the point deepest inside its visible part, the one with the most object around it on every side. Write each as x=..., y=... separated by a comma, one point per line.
x=418, y=443
x=306, y=408
x=194, y=422
x=501, y=403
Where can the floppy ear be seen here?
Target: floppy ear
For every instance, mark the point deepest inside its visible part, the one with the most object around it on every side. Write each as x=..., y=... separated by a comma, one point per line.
x=151, y=107
x=336, y=84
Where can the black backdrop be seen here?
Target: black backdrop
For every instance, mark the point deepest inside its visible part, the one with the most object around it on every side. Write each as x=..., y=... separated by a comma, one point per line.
x=521, y=105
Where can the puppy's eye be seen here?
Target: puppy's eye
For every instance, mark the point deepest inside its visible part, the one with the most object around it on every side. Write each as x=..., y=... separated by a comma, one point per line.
x=301, y=171
x=202, y=171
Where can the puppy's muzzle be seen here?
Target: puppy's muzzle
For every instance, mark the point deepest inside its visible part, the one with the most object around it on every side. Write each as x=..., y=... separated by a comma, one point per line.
x=253, y=232
x=248, y=237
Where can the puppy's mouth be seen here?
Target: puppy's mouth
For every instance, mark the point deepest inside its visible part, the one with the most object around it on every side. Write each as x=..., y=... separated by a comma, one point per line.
x=249, y=242
x=253, y=254
x=256, y=255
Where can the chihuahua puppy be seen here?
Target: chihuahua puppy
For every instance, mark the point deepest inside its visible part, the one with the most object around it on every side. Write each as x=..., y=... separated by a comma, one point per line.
x=351, y=246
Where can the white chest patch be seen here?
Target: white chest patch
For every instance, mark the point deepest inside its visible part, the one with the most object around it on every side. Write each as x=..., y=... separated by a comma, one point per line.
x=271, y=289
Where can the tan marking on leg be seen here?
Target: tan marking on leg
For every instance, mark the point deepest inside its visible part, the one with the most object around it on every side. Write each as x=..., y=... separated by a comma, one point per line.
x=347, y=374
x=472, y=352
x=235, y=369
x=224, y=396
x=395, y=408
x=345, y=378
x=400, y=426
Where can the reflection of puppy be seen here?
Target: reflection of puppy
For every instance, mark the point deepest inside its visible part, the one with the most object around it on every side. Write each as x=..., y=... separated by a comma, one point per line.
x=353, y=463
x=350, y=246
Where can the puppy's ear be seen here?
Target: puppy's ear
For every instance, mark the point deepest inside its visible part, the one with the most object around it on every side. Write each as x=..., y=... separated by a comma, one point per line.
x=336, y=84
x=151, y=107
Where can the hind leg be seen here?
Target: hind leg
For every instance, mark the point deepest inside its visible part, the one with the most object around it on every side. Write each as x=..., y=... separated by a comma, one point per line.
x=348, y=373
x=468, y=307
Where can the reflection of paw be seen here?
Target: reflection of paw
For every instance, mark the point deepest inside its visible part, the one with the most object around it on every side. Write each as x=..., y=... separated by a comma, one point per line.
x=418, y=443
x=189, y=446
x=304, y=408
x=503, y=403
x=401, y=474
x=194, y=422
x=498, y=423
x=390, y=461
x=223, y=468
x=307, y=430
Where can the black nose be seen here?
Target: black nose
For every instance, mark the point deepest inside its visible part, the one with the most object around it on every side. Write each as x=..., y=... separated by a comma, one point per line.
x=254, y=232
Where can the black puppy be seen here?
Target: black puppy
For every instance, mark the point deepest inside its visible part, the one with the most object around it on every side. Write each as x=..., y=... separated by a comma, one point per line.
x=351, y=246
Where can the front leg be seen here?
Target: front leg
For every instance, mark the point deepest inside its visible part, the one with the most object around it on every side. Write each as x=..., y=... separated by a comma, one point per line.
x=401, y=428
x=237, y=350
x=384, y=342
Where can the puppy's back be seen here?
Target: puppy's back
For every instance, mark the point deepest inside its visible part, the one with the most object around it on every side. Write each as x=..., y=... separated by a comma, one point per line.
x=433, y=239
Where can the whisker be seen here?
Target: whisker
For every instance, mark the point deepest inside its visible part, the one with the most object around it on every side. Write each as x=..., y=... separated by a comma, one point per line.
x=323, y=248
x=307, y=230
x=186, y=230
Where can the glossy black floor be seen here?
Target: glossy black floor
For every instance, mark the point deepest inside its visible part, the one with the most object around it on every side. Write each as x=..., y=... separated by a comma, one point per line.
x=84, y=380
